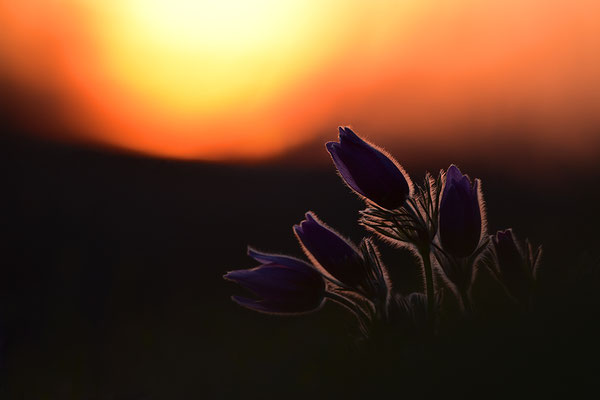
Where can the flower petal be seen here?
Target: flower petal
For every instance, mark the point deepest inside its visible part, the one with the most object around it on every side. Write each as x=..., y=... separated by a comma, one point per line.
x=270, y=307
x=279, y=288
x=335, y=255
x=280, y=259
x=368, y=171
x=460, y=224
x=335, y=151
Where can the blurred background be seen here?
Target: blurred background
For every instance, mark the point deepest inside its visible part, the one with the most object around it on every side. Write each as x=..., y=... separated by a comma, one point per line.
x=248, y=80
x=145, y=143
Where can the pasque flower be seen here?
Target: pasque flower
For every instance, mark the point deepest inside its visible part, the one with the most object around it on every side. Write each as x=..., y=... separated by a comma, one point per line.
x=460, y=214
x=283, y=285
x=514, y=270
x=369, y=171
x=336, y=256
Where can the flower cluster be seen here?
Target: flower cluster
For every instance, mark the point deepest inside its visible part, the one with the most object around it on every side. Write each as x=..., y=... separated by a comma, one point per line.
x=442, y=221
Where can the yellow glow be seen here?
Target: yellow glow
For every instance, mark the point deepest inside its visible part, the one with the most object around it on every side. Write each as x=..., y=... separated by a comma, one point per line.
x=204, y=57
x=218, y=25
x=229, y=79
x=208, y=79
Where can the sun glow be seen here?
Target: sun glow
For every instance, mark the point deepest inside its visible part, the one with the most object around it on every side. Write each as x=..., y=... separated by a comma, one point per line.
x=237, y=25
x=207, y=69
x=227, y=79
x=205, y=56
x=183, y=78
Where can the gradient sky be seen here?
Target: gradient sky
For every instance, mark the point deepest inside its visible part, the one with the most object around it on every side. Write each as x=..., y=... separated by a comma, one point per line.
x=249, y=79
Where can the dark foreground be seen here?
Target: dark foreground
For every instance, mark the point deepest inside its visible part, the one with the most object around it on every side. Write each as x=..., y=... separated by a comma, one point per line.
x=111, y=288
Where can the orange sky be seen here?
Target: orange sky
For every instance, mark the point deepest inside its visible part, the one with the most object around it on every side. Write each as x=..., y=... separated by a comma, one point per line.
x=245, y=79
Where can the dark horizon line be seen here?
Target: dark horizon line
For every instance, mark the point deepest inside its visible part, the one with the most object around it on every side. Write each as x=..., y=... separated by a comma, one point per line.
x=312, y=155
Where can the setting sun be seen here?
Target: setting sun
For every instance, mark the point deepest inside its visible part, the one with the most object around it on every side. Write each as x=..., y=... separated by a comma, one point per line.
x=196, y=69
x=235, y=79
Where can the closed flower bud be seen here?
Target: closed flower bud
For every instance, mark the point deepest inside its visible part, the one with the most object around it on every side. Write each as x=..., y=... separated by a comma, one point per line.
x=283, y=285
x=460, y=214
x=369, y=171
x=514, y=270
x=335, y=255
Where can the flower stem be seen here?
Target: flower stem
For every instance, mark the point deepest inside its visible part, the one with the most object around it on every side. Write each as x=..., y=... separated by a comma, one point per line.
x=425, y=253
x=466, y=302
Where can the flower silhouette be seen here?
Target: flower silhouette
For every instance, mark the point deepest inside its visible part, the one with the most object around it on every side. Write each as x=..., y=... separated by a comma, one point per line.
x=441, y=220
x=284, y=285
x=337, y=256
x=369, y=171
x=513, y=268
x=460, y=214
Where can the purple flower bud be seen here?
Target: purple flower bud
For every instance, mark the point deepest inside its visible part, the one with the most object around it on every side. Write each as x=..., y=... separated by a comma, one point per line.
x=284, y=285
x=335, y=255
x=460, y=214
x=512, y=266
x=369, y=171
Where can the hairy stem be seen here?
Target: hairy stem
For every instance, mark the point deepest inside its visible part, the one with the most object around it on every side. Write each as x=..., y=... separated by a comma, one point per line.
x=425, y=254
